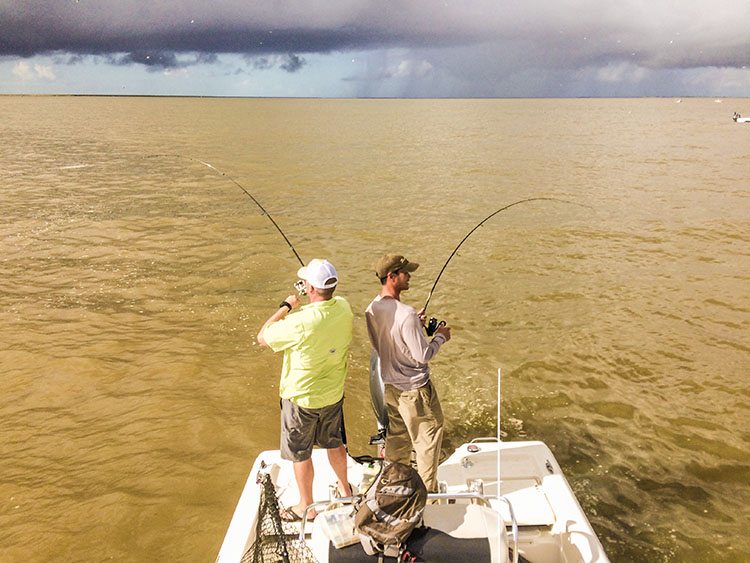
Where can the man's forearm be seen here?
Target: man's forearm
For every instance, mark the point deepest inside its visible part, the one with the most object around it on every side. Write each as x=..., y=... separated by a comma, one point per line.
x=276, y=317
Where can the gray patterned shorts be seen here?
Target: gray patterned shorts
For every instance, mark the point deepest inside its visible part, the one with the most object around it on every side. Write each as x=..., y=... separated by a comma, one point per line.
x=302, y=428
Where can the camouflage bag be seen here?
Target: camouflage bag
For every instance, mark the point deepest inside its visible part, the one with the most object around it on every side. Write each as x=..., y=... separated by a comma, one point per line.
x=391, y=509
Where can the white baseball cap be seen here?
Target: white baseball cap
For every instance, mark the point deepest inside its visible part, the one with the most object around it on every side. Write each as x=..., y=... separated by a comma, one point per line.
x=318, y=272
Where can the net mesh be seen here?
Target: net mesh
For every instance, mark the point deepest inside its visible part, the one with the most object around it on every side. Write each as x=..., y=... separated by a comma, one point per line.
x=275, y=540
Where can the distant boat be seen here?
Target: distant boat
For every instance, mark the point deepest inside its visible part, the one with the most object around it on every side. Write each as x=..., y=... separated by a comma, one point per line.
x=739, y=119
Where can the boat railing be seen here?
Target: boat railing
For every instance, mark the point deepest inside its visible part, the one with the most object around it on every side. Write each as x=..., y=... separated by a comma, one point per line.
x=513, y=527
x=326, y=503
x=477, y=498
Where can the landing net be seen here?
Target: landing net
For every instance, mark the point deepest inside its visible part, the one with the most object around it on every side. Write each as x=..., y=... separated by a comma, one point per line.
x=275, y=540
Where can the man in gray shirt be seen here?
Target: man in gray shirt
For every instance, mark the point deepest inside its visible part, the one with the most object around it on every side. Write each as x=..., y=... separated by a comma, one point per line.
x=415, y=418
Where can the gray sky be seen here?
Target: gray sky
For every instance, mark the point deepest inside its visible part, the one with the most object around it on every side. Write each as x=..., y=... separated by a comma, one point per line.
x=344, y=48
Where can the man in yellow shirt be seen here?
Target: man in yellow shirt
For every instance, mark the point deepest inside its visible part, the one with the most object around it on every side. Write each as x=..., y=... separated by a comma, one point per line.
x=315, y=340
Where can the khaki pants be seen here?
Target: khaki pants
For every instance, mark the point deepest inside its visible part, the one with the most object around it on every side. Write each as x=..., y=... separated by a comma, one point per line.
x=415, y=420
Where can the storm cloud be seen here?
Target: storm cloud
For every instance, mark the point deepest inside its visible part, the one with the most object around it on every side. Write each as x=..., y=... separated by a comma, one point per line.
x=656, y=34
x=494, y=39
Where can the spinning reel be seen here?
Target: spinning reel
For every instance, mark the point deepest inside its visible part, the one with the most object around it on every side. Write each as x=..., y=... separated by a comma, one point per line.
x=432, y=325
x=299, y=285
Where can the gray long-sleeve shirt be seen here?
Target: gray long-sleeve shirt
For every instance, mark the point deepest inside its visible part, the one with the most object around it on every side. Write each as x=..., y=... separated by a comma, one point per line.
x=396, y=335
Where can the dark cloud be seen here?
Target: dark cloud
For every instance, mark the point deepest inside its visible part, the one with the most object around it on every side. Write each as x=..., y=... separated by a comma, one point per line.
x=572, y=31
x=149, y=59
x=288, y=62
x=160, y=60
x=482, y=42
x=293, y=63
x=127, y=26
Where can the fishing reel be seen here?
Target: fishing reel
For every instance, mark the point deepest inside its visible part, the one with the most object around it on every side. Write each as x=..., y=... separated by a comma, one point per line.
x=432, y=325
x=299, y=285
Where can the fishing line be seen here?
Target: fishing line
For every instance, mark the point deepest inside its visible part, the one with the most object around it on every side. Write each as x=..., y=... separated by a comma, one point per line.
x=240, y=186
x=482, y=222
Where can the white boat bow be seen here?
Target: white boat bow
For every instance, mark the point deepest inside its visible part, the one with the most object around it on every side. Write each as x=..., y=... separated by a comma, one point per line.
x=528, y=514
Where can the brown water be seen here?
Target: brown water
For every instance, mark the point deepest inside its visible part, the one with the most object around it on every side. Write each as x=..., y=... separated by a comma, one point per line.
x=131, y=290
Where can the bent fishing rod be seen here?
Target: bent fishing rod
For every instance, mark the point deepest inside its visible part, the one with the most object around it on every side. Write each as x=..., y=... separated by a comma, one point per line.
x=299, y=286
x=433, y=323
x=240, y=186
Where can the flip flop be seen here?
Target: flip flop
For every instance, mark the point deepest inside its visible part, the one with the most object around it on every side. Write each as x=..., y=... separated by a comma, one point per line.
x=289, y=515
x=340, y=493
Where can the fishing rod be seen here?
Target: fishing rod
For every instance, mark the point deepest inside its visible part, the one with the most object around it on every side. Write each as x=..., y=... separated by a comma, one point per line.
x=240, y=186
x=433, y=323
x=299, y=285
